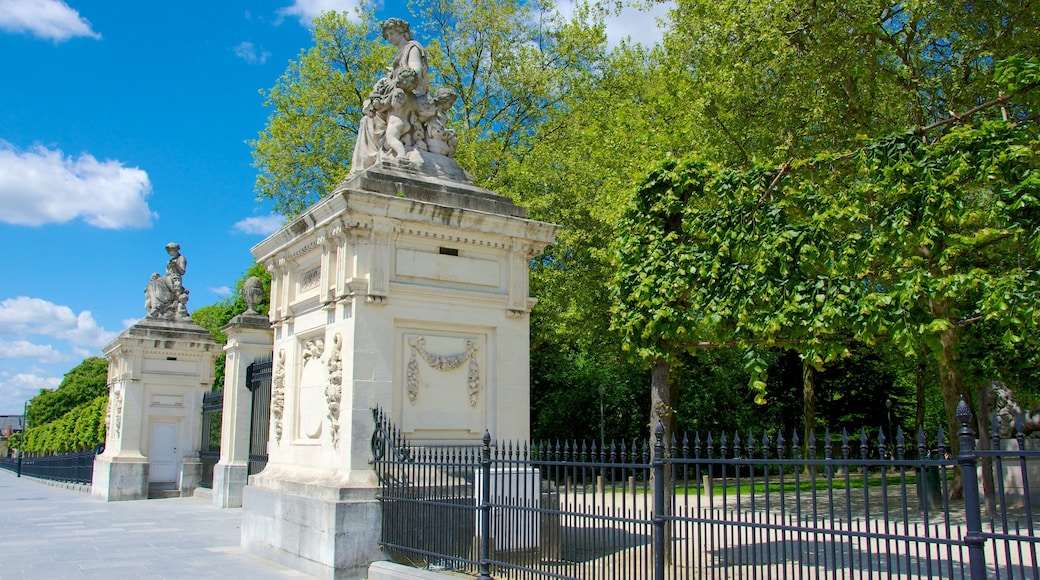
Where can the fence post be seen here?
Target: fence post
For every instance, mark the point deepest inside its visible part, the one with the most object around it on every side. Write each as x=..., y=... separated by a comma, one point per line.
x=485, y=509
x=20, y=453
x=969, y=478
x=658, y=469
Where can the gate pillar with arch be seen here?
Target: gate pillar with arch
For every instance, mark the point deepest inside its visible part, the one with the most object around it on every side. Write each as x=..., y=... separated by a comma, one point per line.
x=249, y=338
x=158, y=372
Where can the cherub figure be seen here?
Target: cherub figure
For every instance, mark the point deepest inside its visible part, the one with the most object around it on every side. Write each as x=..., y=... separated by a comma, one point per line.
x=397, y=138
x=439, y=138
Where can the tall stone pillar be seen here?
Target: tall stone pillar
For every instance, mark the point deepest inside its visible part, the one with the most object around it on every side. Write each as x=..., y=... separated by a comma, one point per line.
x=249, y=337
x=158, y=371
x=401, y=291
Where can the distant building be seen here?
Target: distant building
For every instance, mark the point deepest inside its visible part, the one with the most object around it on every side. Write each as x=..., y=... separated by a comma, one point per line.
x=9, y=424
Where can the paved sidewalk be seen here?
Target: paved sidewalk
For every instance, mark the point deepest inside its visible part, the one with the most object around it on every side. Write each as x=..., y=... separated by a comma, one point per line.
x=48, y=533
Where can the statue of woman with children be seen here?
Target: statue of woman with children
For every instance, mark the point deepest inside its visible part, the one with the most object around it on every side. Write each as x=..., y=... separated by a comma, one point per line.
x=402, y=121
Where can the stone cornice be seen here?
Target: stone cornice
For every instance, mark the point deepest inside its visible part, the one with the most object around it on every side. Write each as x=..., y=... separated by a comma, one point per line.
x=424, y=208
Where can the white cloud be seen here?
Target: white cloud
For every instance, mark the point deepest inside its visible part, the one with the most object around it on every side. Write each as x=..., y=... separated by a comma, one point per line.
x=221, y=291
x=24, y=316
x=26, y=349
x=42, y=186
x=47, y=19
x=15, y=389
x=639, y=25
x=308, y=10
x=263, y=226
x=248, y=52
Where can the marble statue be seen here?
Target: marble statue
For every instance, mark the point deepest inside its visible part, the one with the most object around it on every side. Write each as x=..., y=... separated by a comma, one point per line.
x=165, y=296
x=402, y=122
x=1009, y=414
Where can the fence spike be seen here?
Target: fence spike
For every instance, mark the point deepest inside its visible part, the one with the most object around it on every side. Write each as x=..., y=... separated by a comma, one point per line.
x=827, y=445
x=736, y=445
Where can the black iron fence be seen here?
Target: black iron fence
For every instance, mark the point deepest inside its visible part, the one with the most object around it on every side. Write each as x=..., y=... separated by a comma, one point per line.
x=209, y=451
x=75, y=467
x=258, y=381
x=758, y=506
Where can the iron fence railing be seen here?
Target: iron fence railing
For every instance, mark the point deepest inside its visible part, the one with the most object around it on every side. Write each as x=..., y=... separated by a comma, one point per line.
x=258, y=380
x=209, y=451
x=77, y=467
x=757, y=506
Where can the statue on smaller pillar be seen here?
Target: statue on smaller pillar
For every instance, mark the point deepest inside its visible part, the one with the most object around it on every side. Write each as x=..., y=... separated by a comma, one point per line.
x=166, y=297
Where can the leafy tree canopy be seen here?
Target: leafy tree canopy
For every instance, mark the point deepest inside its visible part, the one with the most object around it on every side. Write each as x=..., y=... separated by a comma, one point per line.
x=905, y=239
x=82, y=384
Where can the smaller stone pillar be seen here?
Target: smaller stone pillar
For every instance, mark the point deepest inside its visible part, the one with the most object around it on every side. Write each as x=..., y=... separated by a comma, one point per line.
x=158, y=371
x=249, y=337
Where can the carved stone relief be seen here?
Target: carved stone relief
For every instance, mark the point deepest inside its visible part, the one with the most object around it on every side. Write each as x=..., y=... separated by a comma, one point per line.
x=311, y=410
x=443, y=363
x=278, y=395
x=310, y=279
x=334, y=392
x=116, y=412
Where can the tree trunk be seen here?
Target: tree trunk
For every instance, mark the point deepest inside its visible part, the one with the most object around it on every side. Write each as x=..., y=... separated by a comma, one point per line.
x=951, y=382
x=922, y=366
x=951, y=379
x=663, y=395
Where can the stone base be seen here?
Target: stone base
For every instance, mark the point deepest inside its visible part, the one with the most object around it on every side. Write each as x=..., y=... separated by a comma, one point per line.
x=191, y=477
x=323, y=530
x=228, y=483
x=120, y=479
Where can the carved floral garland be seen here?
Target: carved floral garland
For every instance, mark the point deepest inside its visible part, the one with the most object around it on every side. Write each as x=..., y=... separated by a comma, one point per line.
x=334, y=392
x=443, y=363
x=278, y=395
x=117, y=411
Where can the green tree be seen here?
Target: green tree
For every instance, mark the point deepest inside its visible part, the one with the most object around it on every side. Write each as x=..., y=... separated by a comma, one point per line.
x=912, y=243
x=305, y=149
x=509, y=62
x=83, y=383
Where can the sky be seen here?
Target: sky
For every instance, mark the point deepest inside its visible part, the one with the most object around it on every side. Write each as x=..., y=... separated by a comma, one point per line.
x=124, y=126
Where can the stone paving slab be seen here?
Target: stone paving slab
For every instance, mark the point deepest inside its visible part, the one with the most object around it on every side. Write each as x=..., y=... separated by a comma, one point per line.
x=51, y=533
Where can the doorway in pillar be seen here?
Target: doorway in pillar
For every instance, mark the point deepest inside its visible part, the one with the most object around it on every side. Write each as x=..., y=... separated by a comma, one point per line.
x=162, y=453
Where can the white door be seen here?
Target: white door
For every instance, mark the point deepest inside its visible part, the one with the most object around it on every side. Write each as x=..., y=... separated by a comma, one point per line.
x=162, y=453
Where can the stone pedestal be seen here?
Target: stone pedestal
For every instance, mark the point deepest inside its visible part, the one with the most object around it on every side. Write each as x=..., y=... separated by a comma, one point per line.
x=249, y=337
x=158, y=371
x=397, y=291
x=323, y=527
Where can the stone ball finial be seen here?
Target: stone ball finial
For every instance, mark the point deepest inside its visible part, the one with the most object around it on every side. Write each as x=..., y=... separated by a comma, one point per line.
x=252, y=293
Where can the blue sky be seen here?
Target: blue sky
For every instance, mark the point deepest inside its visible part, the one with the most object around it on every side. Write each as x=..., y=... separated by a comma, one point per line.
x=123, y=126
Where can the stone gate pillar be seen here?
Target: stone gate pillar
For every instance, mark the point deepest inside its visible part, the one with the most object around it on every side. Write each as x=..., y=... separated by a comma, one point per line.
x=249, y=337
x=158, y=371
x=400, y=291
